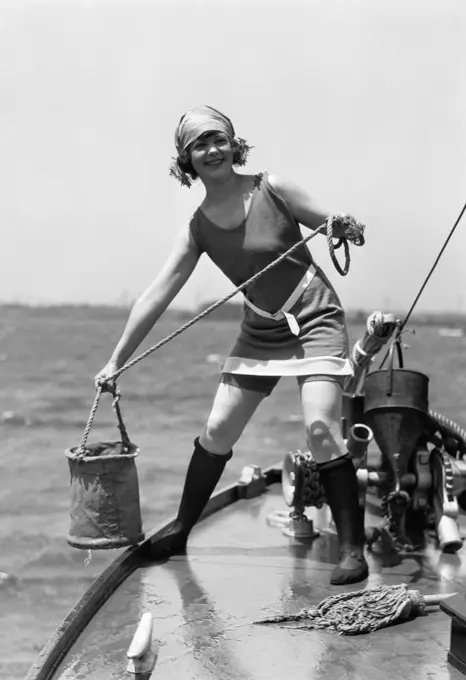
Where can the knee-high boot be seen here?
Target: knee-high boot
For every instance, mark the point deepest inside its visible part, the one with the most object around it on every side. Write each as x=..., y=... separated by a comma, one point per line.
x=340, y=484
x=204, y=472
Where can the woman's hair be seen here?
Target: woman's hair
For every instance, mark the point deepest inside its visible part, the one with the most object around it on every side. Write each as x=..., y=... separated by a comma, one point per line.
x=182, y=169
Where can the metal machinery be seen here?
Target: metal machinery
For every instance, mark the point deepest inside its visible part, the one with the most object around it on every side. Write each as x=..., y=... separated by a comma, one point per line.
x=416, y=473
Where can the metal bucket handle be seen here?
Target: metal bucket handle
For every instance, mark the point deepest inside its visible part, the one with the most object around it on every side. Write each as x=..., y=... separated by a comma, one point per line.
x=399, y=351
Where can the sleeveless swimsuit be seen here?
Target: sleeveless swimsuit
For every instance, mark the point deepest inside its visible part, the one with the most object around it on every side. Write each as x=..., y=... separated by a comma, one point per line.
x=293, y=322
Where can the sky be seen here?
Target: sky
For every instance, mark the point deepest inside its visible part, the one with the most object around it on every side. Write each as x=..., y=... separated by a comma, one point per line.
x=362, y=102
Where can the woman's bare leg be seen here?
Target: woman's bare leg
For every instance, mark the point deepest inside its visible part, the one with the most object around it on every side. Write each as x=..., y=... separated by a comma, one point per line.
x=322, y=400
x=231, y=411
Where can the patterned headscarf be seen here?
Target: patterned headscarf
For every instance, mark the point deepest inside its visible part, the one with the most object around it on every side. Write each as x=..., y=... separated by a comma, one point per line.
x=199, y=120
x=192, y=125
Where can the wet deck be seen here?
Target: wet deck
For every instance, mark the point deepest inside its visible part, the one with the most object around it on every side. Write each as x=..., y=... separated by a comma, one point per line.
x=240, y=569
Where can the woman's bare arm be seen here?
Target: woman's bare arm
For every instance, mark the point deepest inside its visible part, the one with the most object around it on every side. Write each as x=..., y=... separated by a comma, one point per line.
x=157, y=297
x=303, y=207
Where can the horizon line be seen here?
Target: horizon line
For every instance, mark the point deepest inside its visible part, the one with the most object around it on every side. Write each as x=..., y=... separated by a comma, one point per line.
x=203, y=305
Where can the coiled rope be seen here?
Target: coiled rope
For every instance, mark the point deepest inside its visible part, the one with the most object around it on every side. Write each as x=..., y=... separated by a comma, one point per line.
x=449, y=430
x=353, y=231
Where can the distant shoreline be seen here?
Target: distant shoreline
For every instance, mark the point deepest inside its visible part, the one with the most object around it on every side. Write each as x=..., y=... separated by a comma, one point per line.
x=227, y=312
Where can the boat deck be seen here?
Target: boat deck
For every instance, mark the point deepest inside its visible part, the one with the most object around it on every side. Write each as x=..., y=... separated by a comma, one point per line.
x=238, y=569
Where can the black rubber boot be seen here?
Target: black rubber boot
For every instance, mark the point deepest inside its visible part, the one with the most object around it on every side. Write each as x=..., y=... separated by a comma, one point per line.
x=340, y=483
x=204, y=472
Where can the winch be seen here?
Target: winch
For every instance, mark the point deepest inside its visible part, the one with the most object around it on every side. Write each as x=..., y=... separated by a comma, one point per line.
x=409, y=460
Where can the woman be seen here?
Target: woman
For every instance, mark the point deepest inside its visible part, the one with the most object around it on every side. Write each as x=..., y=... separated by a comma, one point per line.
x=293, y=323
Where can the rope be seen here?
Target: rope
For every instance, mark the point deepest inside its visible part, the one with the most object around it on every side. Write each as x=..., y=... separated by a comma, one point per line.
x=353, y=231
x=210, y=309
x=449, y=428
x=80, y=452
x=421, y=290
x=115, y=390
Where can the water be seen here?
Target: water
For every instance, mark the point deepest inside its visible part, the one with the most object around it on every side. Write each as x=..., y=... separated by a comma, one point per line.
x=47, y=362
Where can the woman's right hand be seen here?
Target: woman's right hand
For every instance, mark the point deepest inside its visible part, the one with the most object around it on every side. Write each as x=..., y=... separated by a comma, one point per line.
x=102, y=377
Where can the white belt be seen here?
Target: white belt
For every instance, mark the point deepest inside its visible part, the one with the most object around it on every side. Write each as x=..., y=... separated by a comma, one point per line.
x=283, y=312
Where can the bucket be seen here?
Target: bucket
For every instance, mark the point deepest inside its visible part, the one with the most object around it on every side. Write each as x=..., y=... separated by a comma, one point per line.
x=396, y=409
x=105, y=510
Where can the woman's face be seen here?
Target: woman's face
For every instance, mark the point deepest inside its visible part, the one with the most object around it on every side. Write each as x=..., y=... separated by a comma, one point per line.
x=212, y=155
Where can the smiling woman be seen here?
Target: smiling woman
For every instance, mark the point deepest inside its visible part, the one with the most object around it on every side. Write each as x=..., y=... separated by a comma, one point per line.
x=212, y=149
x=293, y=323
x=191, y=140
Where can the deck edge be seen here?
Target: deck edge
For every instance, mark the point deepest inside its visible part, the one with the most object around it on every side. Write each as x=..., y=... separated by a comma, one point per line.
x=73, y=625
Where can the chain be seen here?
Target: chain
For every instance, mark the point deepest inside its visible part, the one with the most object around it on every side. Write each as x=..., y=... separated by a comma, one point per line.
x=449, y=441
x=310, y=487
x=394, y=505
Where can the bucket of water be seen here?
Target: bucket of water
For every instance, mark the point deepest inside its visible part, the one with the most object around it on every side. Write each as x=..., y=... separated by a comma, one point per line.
x=105, y=509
